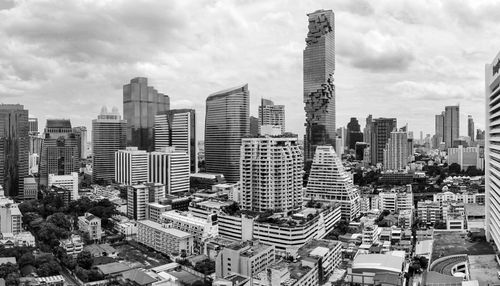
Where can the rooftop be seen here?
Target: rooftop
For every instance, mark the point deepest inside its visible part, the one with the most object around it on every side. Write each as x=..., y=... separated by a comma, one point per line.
x=138, y=276
x=4, y=260
x=112, y=268
x=170, y=231
x=250, y=248
x=475, y=210
x=392, y=262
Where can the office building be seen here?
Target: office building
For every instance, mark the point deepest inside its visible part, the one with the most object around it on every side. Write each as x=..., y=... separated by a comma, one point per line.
x=91, y=225
x=226, y=122
x=170, y=168
x=30, y=191
x=354, y=134
x=11, y=217
x=470, y=128
x=359, y=150
x=33, y=126
x=396, y=152
x=177, y=128
x=14, y=148
x=131, y=166
x=169, y=241
x=451, y=124
x=108, y=136
x=270, y=114
x=67, y=182
x=271, y=174
x=81, y=138
x=329, y=182
x=246, y=258
x=381, y=129
x=319, y=89
x=139, y=196
x=492, y=151
x=140, y=105
x=59, y=150
x=438, y=129
x=254, y=126
x=397, y=199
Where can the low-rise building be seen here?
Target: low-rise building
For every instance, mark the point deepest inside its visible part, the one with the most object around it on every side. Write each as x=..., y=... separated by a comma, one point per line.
x=68, y=182
x=91, y=225
x=246, y=258
x=368, y=269
x=154, y=211
x=165, y=240
x=72, y=245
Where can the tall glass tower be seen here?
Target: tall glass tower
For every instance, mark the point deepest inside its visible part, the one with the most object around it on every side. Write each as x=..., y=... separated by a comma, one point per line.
x=226, y=122
x=14, y=148
x=140, y=105
x=319, y=90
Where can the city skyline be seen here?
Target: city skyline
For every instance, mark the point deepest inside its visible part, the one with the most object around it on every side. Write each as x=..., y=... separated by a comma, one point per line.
x=399, y=68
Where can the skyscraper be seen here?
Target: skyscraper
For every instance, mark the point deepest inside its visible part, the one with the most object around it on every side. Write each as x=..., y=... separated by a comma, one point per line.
x=396, y=151
x=470, y=129
x=492, y=150
x=177, y=128
x=329, y=182
x=226, y=122
x=131, y=166
x=451, y=124
x=254, y=126
x=439, y=129
x=33, y=129
x=108, y=136
x=381, y=132
x=170, y=167
x=14, y=148
x=271, y=174
x=354, y=133
x=140, y=105
x=81, y=138
x=270, y=114
x=59, y=150
x=319, y=90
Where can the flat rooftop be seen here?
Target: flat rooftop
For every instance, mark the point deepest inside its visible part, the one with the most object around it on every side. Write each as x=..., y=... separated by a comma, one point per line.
x=172, y=231
x=383, y=262
x=475, y=210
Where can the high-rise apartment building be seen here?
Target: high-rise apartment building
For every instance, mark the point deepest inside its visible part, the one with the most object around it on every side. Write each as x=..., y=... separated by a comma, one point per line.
x=329, y=182
x=470, y=128
x=139, y=196
x=11, y=216
x=59, y=150
x=270, y=114
x=381, y=129
x=451, y=124
x=140, y=105
x=108, y=136
x=131, y=166
x=271, y=174
x=396, y=152
x=319, y=89
x=226, y=122
x=177, y=128
x=170, y=167
x=492, y=150
x=14, y=148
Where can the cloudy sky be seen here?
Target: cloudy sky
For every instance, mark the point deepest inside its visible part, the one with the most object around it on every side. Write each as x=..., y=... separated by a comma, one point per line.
x=404, y=59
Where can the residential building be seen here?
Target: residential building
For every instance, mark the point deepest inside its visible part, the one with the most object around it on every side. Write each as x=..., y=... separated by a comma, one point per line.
x=141, y=103
x=451, y=124
x=397, y=199
x=90, y=224
x=381, y=129
x=177, y=128
x=202, y=229
x=271, y=174
x=466, y=157
x=154, y=211
x=14, y=148
x=244, y=257
x=169, y=167
x=165, y=240
x=371, y=233
x=10, y=215
x=429, y=212
x=226, y=122
x=138, y=197
x=59, y=150
x=270, y=114
x=72, y=245
x=108, y=136
x=131, y=166
x=319, y=89
x=396, y=152
x=68, y=182
x=329, y=182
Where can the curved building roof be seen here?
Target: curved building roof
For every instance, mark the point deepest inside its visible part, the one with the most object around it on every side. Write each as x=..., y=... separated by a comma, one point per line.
x=229, y=91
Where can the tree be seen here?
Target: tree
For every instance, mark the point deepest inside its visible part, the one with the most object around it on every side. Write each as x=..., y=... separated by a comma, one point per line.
x=26, y=259
x=205, y=266
x=7, y=268
x=49, y=268
x=60, y=220
x=440, y=225
x=84, y=259
x=455, y=168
